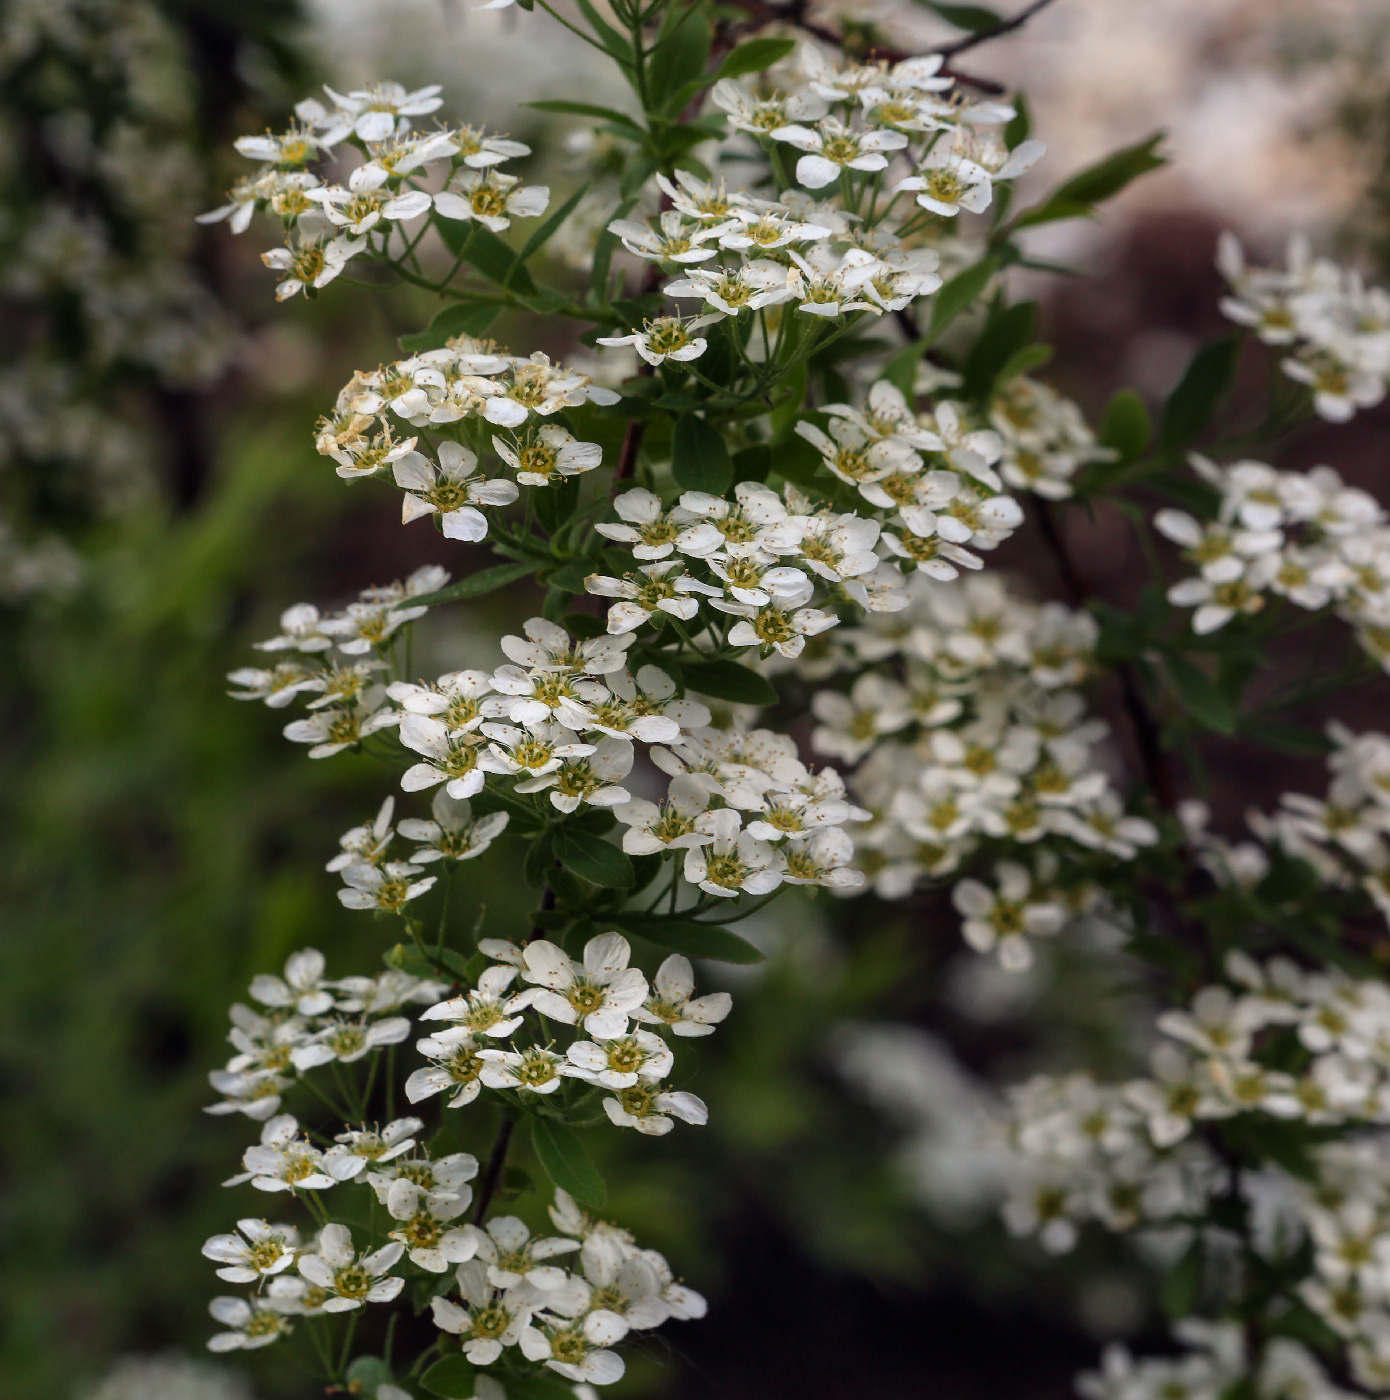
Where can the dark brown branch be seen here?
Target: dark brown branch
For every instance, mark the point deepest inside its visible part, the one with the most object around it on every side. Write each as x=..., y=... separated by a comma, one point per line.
x=983, y=36
x=492, y=1173
x=1152, y=757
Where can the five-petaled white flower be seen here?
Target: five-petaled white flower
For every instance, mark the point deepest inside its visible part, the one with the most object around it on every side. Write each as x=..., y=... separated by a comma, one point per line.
x=348, y=1279
x=600, y=993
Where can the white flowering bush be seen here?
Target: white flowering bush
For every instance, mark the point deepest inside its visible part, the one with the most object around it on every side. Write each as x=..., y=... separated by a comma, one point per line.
x=783, y=419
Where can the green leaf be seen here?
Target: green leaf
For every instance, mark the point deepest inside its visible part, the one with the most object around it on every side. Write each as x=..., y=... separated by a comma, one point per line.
x=679, y=56
x=753, y=463
x=1180, y=1287
x=496, y=261
x=754, y=56
x=1287, y=738
x=475, y=585
x=1007, y=331
x=570, y=575
x=589, y=109
x=1201, y=695
x=369, y=1372
x=1106, y=178
x=451, y=1376
x=699, y=457
x=727, y=680
x=695, y=940
x=1202, y=387
x=1020, y=124
x=974, y=18
x=1077, y=198
x=566, y=1163
x=1127, y=428
x=901, y=369
x=539, y=860
x=592, y=858
x=959, y=292
x=541, y=236
x=537, y=1386
x=462, y=318
x=1023, y=359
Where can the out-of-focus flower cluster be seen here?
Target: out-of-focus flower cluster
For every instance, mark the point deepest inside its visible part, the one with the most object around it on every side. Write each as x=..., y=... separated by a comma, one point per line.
x=965, y=724
x=1335, y=328
x=1302, y=536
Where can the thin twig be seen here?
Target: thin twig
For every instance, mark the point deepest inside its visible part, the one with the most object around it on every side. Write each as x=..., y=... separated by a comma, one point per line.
x=983, y=36
x=492, y=1174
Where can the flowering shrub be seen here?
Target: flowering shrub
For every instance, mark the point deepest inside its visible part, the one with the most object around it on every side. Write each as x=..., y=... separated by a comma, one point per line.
x=759, y=499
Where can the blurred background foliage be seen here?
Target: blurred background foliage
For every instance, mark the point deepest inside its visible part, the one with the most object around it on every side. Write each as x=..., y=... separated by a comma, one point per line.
x=160, y=501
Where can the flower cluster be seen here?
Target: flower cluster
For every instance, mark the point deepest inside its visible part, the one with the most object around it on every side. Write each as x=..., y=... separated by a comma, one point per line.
x=969, y=727
x=1302, y=536
x=1217, y=1361
x=1335, y=329
x=465, y=384
x=328, y=224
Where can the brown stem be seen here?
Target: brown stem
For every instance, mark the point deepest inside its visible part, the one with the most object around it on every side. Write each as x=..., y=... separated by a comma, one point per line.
x=492, y=1173
x=547, y=904
x=983, y=36
x=1157, y=768
x=632, y=444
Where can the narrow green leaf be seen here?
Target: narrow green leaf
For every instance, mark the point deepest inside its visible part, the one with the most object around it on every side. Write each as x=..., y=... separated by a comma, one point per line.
x=451, y=1376
x=1127, y=428
x=614, y=41
x=727, y=680
x=541, y=236
x=496, y=261
x=1107, y=177
x=1202, y=387
x=1007, y=331
x=753, y=463
x=1023, y=359
x=679, y=56
x=562, y=1155
x=1201, y=695
x=754, y=57
x=462, y=318
x=699, y=456
x=475, y=585
x=589, y=109
x=1287, y=738
x=592, y=858
x=695, y=940
x=537, y=1386
x=1020, y=124
x=959, y=292
x=976, y=19
x=901, y=368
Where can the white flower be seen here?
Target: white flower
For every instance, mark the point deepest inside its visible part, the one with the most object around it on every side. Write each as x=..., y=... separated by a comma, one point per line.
x=283, y=1161
x=823, y=858
x=650, y=531
x=600, y=993
x=250, y=1324
x=548, y=455
x=655, y=588
x=311, y=263
x=673, y=1004
x=1003, y=919
x=676, y=241
x=452, y=759
x=666, y=338
x=647, y=708
x=299, y=629
x=850, y=725
x=488, y=1319
x=264, y=1251
x=359, y=1148
x=348, y=1041
x=373, y=110
x=578, y=1349
x=749, y=286
x=487, y=1010
x=453, y=835
x=948, y=183
x=531, y=754
x=330, y=731
x=451, y=491
x=512, y=1257
x=457, y=1068
x=302, y=986
x=652, y=1110
x=832, y=147
x=593, y=779
x=672, y=825
x=534, y=1069
x=772, y=629
x=276, y=687
x=423, y=1224
x=387, y=886
x=734, y=861
x=350, y=1280
x=548, y=647
x=490, y=197
x=618, y=1063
